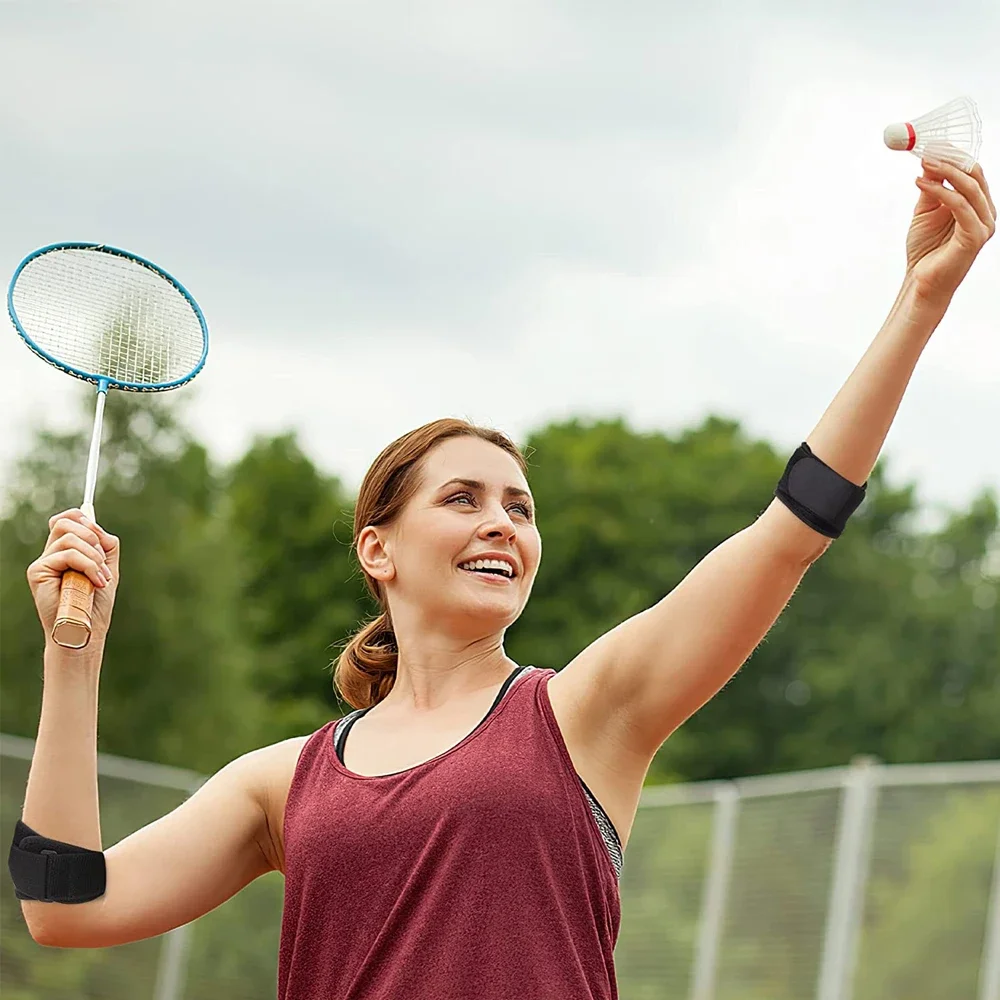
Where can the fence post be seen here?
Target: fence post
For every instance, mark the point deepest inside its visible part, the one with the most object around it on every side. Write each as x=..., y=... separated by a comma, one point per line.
x=714, y=893
x=989, y=970
x=847, y=886
x=173, y=964
x=172, y=968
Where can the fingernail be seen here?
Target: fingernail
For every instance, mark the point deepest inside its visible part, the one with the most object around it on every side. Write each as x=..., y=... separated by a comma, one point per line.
x=106, y=572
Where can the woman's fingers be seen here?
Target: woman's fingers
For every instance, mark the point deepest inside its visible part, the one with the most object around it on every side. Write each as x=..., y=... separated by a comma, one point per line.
x=74, y=559
x=74, y=520
x=74, y=514
x=70, y=552
x=69, y=526
x=970, y=230
x=94, y=554
x=977, y=172
x=959, y=207
x=970, y=187
x=74, y=541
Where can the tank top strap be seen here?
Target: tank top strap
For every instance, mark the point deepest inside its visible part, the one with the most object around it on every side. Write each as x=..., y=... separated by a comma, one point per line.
x=343, y=725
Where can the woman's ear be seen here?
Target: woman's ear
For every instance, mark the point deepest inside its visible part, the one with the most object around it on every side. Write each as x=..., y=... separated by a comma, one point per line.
x=373, y=556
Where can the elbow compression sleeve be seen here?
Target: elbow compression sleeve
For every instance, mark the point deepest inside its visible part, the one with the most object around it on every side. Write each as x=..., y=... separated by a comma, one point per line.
x=51, y=871
x=818, y=495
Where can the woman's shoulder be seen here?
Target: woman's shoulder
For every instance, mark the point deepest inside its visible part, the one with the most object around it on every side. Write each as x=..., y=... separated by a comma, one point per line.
x=273, y=769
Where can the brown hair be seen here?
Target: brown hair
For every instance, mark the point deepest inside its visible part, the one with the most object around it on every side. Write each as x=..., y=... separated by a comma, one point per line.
x=366, y=669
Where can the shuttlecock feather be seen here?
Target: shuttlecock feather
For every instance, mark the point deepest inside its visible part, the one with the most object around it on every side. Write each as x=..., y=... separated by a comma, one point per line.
x=951, y=133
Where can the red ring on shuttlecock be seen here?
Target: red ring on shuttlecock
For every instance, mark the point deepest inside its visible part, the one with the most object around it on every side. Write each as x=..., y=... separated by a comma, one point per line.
x=912, y=133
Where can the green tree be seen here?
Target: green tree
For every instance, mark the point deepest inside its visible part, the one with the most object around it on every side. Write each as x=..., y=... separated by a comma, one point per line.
x=174, y=685
x=301, y=595
x=238, y=586
x=898, y=640
x=889, y=646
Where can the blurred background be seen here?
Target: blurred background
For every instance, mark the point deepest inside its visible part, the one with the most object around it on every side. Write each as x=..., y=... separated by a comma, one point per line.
x=650, y=241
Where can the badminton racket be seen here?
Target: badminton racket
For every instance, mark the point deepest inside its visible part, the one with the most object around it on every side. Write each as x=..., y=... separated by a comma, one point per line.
x=118, y=321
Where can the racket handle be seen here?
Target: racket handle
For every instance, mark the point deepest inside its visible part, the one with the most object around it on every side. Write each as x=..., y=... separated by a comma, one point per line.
x=76, y=604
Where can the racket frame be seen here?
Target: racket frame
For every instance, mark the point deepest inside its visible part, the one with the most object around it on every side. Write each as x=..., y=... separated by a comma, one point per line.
x=98, y=380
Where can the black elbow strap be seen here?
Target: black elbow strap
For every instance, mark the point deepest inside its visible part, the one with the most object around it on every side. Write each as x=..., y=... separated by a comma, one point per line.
x=816, y=494
x=53, y=872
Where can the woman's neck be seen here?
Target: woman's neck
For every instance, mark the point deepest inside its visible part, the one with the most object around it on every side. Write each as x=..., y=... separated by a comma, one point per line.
x=432, y=673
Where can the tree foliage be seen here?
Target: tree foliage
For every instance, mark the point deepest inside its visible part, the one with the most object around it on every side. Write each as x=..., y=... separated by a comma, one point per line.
x=300, y=592
x=238, y=587
x=889, y=647
x=175, y=685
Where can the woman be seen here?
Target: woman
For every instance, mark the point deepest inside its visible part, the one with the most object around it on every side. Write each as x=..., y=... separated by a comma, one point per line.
x=459, y=835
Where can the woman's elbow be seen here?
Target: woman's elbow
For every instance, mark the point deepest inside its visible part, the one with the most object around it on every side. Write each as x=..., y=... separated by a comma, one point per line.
x=42, y=933
x=52, y=929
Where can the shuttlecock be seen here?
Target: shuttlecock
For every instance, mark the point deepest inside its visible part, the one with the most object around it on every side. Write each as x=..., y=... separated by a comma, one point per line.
x=950, y=133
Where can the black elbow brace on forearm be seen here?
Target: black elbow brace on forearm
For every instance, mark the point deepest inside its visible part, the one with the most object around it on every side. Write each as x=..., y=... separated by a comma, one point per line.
x=816, y=494
x=53, y=872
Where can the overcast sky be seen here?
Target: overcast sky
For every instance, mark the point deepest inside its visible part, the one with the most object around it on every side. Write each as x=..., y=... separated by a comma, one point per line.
x=511, y=211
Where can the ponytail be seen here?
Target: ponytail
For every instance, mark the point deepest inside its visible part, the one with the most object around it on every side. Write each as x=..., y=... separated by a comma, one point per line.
x=366, y=669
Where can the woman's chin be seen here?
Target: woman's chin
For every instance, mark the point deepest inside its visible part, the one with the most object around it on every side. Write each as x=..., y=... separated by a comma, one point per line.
x=492, y=610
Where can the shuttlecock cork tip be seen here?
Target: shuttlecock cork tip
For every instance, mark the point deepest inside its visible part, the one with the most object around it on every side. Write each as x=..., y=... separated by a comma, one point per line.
x=900, y=135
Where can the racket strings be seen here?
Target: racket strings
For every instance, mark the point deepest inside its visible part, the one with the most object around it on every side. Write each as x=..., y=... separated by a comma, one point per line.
x=109, y=316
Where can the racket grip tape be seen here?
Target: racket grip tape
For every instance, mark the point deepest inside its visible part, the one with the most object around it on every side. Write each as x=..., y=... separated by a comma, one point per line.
x=76, y=605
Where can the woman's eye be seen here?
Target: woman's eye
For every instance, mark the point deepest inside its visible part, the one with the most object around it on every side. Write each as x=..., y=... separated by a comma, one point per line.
x=467, y=499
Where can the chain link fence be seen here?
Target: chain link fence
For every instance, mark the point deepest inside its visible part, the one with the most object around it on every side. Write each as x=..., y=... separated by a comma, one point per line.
x=869, y=882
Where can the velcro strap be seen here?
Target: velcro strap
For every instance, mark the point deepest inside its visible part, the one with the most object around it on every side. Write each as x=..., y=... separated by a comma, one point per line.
x=818, y=495
x=51, y=871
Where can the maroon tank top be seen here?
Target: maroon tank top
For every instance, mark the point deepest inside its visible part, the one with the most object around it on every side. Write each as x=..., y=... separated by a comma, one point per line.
x=479, y=875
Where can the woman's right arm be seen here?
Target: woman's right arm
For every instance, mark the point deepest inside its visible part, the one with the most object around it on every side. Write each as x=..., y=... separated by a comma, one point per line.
x=173, y=870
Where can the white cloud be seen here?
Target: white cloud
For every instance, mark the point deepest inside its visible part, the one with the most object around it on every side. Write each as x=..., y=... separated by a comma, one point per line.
x=511, y=212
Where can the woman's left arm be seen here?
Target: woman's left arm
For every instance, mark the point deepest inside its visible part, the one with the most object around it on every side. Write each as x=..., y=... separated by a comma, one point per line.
x=655, y=670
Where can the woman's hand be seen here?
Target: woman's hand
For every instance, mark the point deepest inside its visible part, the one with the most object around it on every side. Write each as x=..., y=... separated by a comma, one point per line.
x=948, y=230
x=75, y=542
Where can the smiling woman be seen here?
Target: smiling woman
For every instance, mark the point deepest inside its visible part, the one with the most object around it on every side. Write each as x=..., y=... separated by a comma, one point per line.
x=426, y=475
x=456, y=760
x=460, y=834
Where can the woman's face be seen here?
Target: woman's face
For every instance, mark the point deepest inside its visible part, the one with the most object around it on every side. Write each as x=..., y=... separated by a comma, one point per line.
x=472, y=504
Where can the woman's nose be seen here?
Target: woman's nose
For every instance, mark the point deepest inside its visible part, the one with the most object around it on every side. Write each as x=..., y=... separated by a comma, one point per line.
x=498, y=525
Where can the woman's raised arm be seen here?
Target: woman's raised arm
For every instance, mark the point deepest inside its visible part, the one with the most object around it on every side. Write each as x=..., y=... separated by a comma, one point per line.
x=172, y=870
